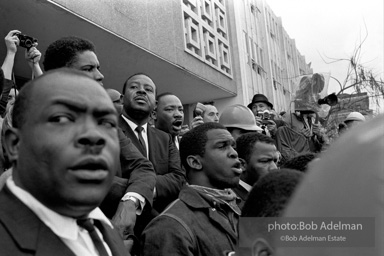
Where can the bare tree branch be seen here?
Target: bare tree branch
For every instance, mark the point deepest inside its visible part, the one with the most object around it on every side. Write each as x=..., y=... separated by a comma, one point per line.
x=359, y=78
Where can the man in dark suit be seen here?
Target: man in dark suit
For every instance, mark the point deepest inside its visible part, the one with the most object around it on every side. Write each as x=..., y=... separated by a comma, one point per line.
x=139, y=101
x=258, y=156
x=63, y=147
x=132, y=188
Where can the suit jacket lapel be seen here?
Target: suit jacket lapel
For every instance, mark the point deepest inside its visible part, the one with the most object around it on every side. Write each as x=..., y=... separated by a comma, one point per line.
x=152, y=144
x=127, y=130
x=55, y=246
x=29, y=232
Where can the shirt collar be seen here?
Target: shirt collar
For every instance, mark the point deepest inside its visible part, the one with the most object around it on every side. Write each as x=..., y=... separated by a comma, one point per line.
x=133, y=125
x=177, y=143
x=245, y=186
x=62, y=226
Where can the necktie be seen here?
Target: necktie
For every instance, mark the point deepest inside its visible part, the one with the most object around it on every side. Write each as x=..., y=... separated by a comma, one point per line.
x=88, y=225
x=139, y=129
x=309, y=119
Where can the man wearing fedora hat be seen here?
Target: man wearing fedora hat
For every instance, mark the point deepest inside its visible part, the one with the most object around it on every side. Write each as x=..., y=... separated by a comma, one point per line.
x=260, y=104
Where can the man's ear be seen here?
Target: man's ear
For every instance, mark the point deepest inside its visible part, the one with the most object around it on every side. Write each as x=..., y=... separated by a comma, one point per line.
x=243, y=164
x=154, y=114
x=11, y=143
x=261, y=247
x=194, y=162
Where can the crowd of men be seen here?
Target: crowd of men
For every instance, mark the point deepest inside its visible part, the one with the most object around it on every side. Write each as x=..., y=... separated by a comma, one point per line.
x=88, y=170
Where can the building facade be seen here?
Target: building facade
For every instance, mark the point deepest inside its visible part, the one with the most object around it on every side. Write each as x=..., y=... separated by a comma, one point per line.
x=202, y=50
x=269, y=60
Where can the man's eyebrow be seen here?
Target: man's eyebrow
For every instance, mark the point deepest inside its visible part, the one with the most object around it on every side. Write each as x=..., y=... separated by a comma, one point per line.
x=225, y=141
x=105, y=111
x=81, y=107
x=173, y=106
x=70, y=104
x=90, y=65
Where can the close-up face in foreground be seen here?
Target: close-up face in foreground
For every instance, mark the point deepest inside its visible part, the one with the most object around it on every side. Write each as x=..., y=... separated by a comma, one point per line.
x=68, y=146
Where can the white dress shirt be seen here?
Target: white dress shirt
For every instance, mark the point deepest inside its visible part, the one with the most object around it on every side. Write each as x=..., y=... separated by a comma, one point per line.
x=66, y=228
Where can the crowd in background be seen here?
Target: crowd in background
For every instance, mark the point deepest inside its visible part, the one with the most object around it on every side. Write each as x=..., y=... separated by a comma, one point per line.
x=170, y=188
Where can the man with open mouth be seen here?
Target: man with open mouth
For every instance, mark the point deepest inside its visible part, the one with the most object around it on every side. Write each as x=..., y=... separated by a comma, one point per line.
x=204, y=219
x=169, y=116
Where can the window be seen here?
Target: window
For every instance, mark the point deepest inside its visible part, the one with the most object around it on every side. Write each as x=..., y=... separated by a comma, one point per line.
x=206, y=33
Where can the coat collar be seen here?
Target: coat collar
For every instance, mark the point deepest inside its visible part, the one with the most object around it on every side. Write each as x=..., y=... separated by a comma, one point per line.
x=27, y=229
x=193, y=199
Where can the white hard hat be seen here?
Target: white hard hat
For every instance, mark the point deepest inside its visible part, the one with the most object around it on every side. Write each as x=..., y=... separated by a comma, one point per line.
x=239, y=116
x=355, y=116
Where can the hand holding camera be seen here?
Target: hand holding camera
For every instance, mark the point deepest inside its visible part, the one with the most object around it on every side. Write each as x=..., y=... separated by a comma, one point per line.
x=32, y=55
x=15, y=38
x=264, y=119
x=265, y=116
x=196, y=121
x=198, y=115
x=26, y=41
x=12, y=41
x=199, y=109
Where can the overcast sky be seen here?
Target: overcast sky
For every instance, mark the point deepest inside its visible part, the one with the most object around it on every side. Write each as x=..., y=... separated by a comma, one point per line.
x=333, y=28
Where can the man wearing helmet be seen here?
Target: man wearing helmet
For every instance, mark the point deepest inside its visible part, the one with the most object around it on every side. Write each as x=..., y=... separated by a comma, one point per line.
x=354, y=118
x=238, y=119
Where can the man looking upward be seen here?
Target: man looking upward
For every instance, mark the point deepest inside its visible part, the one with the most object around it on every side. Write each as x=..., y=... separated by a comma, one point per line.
x=139, y=101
